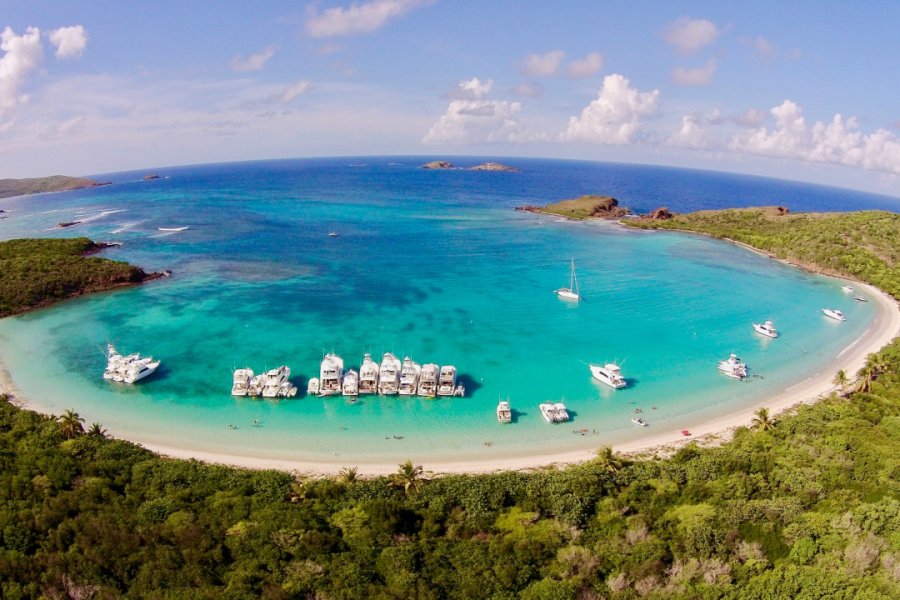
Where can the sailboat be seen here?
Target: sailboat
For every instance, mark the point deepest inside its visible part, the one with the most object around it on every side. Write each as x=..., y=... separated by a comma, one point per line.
x=571, y=292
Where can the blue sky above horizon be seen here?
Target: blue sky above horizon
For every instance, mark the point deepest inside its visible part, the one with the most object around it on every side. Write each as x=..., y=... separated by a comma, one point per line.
x=799, y=91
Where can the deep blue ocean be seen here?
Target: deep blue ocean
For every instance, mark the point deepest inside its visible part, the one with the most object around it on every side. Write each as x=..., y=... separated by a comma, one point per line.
x=432, y=264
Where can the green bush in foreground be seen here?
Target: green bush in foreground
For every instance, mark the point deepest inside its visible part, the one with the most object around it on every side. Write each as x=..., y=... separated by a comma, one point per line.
x=807, y=509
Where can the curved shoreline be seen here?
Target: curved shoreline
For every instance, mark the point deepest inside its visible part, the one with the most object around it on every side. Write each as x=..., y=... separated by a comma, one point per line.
x=884, y=327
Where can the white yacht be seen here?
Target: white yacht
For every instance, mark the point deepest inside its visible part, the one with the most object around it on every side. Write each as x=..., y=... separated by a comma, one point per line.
x=241, y=382
x=255, y=388
x=274, y=379
x=350, y=386
x=561, y=413
x=860, y=298
x=610, y=374
x=733, y=367
x=138, y=369
x=428, y=380
x=548, y=411
x=389, y=375
x=447, y=381
x=767, y=329
x=409, y=377
x=504, y=412
x=312, y=387
x=834, y=313
x=571, y=292
x=847, y=289
x=287, y=390
x=129, y=368
x=368, y=375
x=330, y=375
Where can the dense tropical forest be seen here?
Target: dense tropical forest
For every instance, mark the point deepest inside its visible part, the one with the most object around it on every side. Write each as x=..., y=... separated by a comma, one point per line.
x=38, y=272
x=803, y=505
x=864, y=245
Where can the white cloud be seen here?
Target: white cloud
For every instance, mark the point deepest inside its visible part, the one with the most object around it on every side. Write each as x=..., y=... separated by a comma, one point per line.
x=291, y=92
x=70, y=42
x=762, y=47
x=838, y=141
x=695, y=77
x=688, y=35
x=21, y=55
x=692, y=134
x=358, y=18
x=542, y=65
x=615, y=116
x=472, y=117
x=254, y=62
x=528, y=89
x=752, y=118
x=588, y=66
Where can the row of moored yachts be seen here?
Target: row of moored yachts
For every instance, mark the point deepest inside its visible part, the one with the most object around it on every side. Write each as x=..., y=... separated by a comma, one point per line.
x=392, y=376
x=127, y=368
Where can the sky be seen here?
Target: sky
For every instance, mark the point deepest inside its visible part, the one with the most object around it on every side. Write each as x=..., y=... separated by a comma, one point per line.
x=805, y=90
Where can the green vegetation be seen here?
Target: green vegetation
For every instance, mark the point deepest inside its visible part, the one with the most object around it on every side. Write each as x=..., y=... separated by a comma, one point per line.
x=863, y=245
x=37, y=185
x=585, y=207
x=806, y=508
x=38, y=272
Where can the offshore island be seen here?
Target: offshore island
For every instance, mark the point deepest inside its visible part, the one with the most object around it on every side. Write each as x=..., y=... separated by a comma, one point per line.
x=806, y=500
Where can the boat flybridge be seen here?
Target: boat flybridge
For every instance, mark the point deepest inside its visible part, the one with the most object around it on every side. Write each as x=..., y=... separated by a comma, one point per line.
x=733, y=367
x=610, y=374
x=331, y=373
x=504, y=412
x=834, y=313
x=368, y=376
x=767, y=329
x=428, y=380
x=389, y=375
x=571, y=292
x=447, y=381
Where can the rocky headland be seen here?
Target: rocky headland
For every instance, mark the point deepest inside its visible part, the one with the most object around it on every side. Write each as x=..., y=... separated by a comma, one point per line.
x=487, y=166
x=40, y=185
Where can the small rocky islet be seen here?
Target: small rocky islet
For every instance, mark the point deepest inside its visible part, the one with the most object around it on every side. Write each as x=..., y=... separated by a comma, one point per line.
x=487, y=166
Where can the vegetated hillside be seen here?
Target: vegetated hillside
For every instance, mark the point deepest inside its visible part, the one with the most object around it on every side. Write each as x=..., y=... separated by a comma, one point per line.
x=585, y=207
x=864, y=245
x=38, y=272
x=37, y=185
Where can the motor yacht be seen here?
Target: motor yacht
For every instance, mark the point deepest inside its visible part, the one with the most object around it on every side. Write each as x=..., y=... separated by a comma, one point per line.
x=834, y=313
x=241, y=381
x=562, y=414
x=389, y=374
x=733, y=367
x=274, y=379
x=128, y=368
x=428, y=380
x=847, y=289
x=767, y=329
x=504, y=412
x=350, y=386
x=331, y=374
x=548, y=411
x=312, y=386
x=138, y=369
x=368, y=376
x=610, y=374
x=447, y=381
x=257, y=382
x=409, y=377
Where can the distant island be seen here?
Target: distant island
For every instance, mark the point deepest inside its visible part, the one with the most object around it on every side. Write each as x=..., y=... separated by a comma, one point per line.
x=39, y=185
x=39, y=272
x=583, y=207
x=488, y=166
x=151, y=177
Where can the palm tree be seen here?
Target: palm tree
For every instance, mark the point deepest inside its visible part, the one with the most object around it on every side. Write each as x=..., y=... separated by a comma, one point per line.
x=762, y=421
x=409, y=477
x=869, y=373
x=348, y=475
x=608, y=460
x=97, y=430
x=841, y=380
x=70, y=424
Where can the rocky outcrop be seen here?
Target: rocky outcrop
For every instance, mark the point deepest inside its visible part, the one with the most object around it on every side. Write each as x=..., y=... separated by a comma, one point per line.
x=151, y=177
x=660, y=214
x=439, y=164
x=492, y=166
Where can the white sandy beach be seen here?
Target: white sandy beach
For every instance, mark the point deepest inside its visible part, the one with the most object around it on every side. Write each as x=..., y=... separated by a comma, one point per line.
x=882, y=330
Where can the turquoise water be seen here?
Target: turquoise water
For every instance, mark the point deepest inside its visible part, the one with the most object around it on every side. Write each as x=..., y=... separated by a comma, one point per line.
x=434, y=265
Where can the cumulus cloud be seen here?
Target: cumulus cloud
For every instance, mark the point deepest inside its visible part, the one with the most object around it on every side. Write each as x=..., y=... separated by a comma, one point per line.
x=588, y=66
x=839, y=141
x=542, y=65
x=254, y=62
x=70, y=42
x=473, y=117
x=688, y=35
x=290, y=93
x=358, y=18
x=21, y=55
x=695, y=77
x=615, y=117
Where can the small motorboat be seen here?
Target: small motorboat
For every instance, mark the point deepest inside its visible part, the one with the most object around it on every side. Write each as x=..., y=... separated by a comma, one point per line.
x=767, y=329
x=312, y=388
x=847, y=289
x=639, y=421
x=860, y=298
x=504, y=412
x=834, y=313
